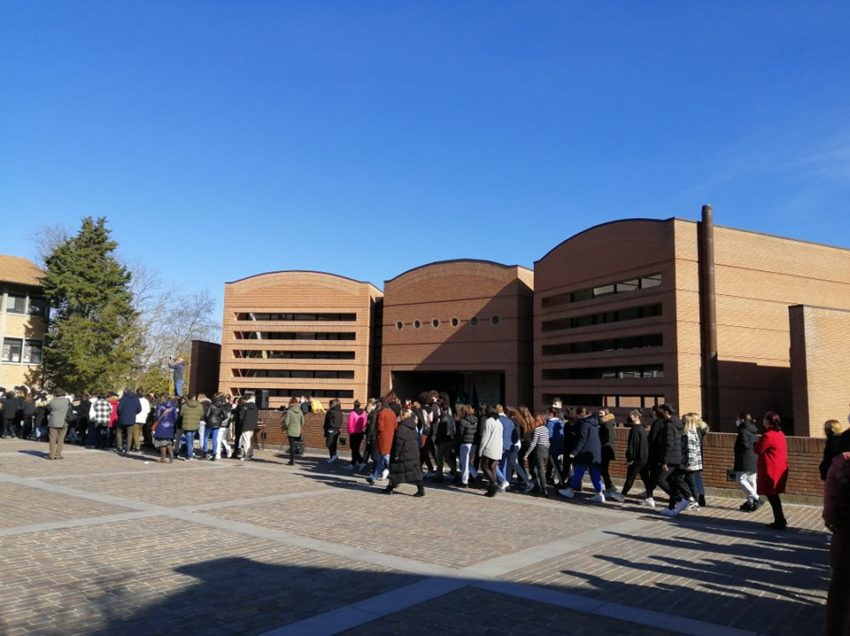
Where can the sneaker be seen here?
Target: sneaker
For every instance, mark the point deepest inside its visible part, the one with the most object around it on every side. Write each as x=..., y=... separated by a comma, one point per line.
x=370, y=480
x=528, y=488
x=649, y=502
x=598, y=498
x=692, y=505
x=503, y=487
x=331, y=460
x=569, y=493
x=385, y=474
x=678, y=508
x=613, y=494
x=747, y=506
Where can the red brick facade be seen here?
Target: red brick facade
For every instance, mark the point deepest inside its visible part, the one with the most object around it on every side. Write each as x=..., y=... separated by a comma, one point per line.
x=614, y=316
x=459, y=317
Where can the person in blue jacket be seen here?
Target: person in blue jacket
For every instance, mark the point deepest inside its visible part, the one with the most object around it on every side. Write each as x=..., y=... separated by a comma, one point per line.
x=587, y=456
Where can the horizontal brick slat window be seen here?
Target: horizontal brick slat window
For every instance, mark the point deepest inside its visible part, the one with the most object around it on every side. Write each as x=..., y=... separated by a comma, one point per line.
x=293, y=355
x=608, y=344
x=294, y=373
x=316, y=317
x=602, y=318
x=318, y=393
x=294, y=335
x=620, y=287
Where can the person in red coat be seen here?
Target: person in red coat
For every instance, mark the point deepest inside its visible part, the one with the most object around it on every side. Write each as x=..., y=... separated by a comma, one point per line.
x=773, y=466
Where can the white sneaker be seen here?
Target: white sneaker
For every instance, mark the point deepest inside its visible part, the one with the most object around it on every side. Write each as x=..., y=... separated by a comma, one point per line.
x=503, y=487
x=598, y=498
x=692, y=505
x=569, y=493
x=385, y=473
x=613, y=494
x=649, y=502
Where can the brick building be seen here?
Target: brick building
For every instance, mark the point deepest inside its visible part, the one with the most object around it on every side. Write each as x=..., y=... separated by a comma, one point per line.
x=460, y=326
x=626, y=314
x=637, y=312
x=299, y=333
x=23, y=321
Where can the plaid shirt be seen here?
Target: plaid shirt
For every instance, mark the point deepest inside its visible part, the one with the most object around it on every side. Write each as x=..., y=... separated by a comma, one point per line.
x=101, y=410
x=691, y=451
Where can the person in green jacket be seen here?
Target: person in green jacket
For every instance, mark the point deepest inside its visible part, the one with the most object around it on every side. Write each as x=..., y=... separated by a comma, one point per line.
x=191, y=414
x=293, y=423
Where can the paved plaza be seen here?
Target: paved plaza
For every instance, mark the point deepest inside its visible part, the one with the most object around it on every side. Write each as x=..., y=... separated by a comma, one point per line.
x=102, y=544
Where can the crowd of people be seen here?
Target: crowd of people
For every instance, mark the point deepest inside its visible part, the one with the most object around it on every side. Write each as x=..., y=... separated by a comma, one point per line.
x=503, y=447
x=188, y=427
x=408, y=441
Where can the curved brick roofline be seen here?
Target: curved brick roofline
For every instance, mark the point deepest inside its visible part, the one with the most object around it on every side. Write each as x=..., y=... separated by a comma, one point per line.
x=301, y=271
x=450, y=261
x=601, y=225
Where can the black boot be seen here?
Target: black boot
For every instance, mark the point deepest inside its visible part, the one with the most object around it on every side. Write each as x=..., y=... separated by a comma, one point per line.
x=702, y=501
x=420, y=490
x=388, y=490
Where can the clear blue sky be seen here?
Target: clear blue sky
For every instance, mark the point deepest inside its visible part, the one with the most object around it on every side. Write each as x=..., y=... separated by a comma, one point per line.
x=224, y=139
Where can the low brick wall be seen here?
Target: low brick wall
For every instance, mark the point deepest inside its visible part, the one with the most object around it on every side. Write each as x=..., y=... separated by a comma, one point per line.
x=804, y=453
x=804, y=456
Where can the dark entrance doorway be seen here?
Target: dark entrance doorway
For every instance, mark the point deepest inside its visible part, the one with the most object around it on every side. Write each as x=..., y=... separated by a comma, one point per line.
x=462, y=386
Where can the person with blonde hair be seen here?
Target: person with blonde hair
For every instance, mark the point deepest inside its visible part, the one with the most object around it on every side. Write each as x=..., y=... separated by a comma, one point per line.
x=693, y=430
x=837, y=442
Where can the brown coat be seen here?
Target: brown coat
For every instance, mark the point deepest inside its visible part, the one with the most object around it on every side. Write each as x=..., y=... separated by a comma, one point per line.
x=385, y=426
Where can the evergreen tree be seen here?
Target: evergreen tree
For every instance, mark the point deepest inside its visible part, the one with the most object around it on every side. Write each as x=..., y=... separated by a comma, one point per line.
x=93, y=340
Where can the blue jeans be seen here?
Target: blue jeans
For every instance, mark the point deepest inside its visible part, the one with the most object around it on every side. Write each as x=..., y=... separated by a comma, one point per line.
x=178, y=386
x=595, y=476
x=202, y=435
x=383, y=462
x=467, y=451
x=189, y=437
x=509, y=464
x=207, y=434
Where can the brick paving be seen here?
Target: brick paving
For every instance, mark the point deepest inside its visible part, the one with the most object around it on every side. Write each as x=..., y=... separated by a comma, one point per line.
x=102, y=544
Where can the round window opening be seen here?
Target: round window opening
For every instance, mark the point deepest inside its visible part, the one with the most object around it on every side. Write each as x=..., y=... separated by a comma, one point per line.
x=455, y=322
x=473, y=321
x=495, y=320
x=435, y=323
x=417, y=324
x=399, y=325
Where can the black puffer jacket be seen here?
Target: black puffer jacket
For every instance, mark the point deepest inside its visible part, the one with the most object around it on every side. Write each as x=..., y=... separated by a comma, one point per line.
x=405, y=464
x=746, y=460
x=468, y=429
x=673, y=429
x=637, y=450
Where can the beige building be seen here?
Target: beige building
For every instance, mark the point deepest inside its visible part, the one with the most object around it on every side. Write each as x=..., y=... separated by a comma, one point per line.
x=23, y=321
x=293, y=333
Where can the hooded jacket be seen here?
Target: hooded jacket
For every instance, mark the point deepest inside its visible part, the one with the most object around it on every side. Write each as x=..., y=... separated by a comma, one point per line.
x=191, y=413
x=637, y=448
x=294, y=420
x=333, y=420
x=746, y=460
x=588, y=447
